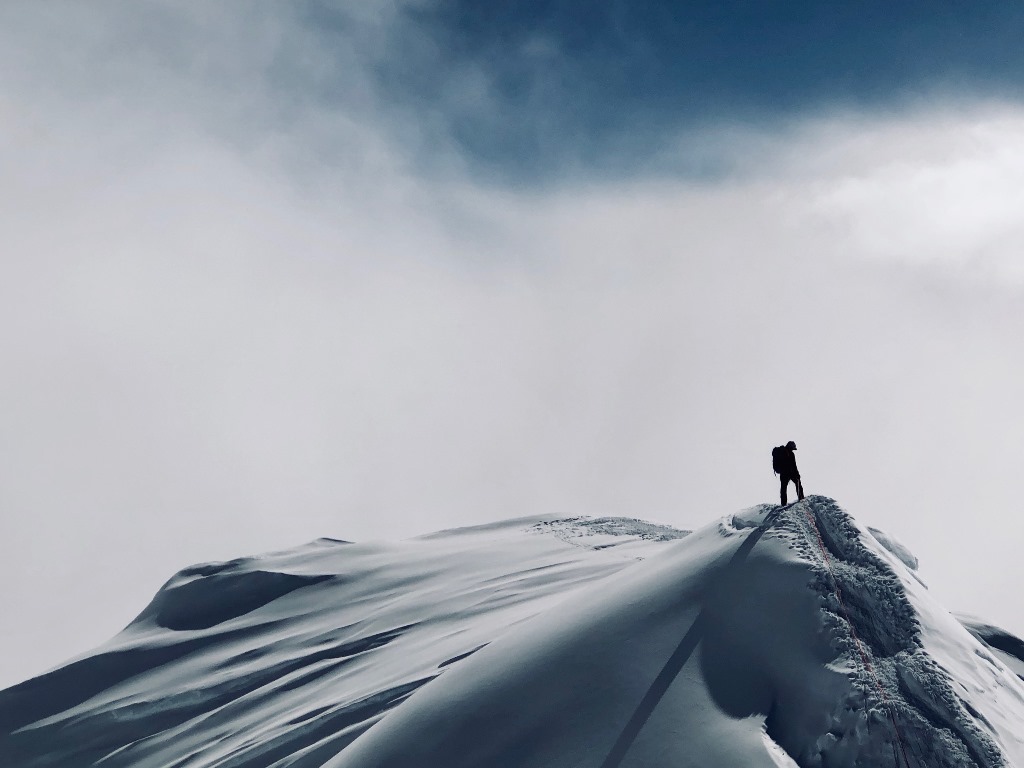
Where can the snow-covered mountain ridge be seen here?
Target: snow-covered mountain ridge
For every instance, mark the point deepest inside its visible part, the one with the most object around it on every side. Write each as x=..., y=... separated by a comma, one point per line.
x=773, y=637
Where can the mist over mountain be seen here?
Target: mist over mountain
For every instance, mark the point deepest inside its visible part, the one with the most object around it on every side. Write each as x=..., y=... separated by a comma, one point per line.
x=772, y=637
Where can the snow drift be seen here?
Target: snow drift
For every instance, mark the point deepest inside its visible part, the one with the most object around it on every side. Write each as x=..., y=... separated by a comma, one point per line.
x=773, y=637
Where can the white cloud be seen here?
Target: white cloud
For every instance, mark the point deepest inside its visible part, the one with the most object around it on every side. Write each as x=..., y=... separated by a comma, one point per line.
x=933, y=186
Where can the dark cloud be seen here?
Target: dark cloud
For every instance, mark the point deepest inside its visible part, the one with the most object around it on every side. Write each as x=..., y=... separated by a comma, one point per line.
x=532, y=88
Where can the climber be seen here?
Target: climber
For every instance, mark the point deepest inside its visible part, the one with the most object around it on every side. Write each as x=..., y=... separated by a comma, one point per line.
x=784, y=464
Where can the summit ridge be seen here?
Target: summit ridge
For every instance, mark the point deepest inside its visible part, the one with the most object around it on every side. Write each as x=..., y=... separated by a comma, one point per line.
x=776, y=636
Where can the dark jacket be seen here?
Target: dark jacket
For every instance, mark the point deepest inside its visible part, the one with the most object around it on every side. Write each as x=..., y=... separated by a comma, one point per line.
x=787, y=464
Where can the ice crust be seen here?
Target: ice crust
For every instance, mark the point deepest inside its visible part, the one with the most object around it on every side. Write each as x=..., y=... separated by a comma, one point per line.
x=542, y=641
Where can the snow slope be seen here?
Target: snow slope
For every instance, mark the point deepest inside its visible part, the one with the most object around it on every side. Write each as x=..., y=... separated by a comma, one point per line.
x=774, y=637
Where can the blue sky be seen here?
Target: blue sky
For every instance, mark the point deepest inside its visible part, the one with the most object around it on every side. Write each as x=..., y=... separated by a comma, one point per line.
x=280, y=271
x=605, y=87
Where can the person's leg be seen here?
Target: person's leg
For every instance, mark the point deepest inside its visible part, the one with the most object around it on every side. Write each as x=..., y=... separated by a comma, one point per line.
x=800, y=489
x=782, y=490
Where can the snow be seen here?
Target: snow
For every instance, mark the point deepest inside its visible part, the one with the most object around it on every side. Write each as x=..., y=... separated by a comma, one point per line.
x=774, y=637
x=1004, y=646
x=894, y=547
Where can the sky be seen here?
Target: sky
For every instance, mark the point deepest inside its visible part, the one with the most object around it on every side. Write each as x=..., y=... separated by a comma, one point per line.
x=366, y=270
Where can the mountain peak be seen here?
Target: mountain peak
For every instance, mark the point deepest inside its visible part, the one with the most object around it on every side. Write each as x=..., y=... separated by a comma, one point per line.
x=777, y=636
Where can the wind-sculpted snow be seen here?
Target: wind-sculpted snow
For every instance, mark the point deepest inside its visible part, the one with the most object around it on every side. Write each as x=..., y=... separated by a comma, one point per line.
x=1007, y=647
x=776, y=637
x=207, y=595
x=286, y=658
x=905, y=555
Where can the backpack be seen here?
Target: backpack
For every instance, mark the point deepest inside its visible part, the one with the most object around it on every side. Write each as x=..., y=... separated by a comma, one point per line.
x=778, y=458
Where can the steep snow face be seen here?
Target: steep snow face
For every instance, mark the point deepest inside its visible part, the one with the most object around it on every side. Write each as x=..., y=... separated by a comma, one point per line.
x=943, y=697
x=774, y=637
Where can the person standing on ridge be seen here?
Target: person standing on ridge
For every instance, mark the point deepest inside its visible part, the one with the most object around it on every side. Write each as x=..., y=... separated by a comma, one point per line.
x=784, y=464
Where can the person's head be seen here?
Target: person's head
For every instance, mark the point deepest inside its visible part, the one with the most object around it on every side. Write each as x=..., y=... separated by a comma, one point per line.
x=791, y=445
